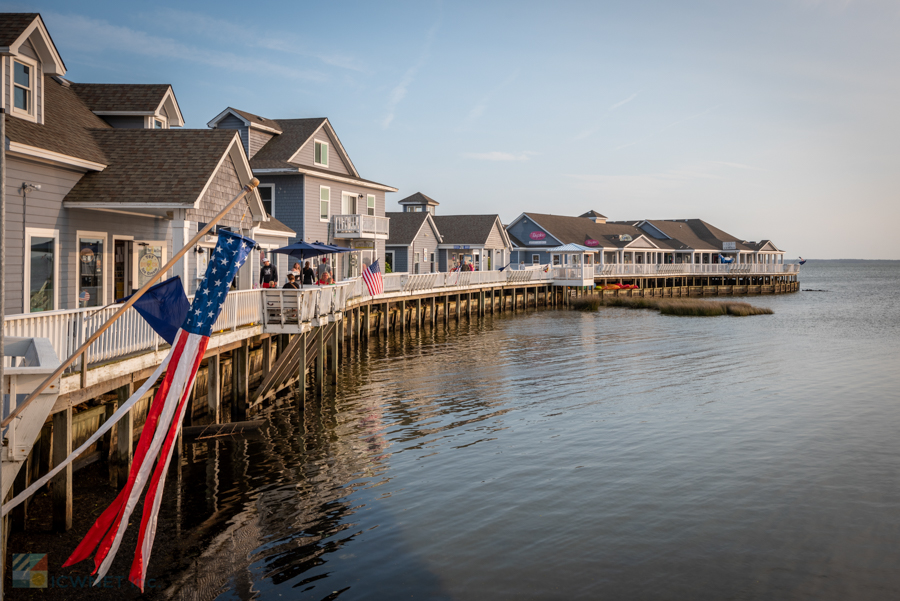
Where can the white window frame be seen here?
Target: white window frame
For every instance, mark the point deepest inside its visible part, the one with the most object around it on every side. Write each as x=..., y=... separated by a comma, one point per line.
x=416, y=257
x=328, y=215
x=79, y=234
x=535, y=259
x=31, y=232
x=272, y=201
x=370, y=208
x=325, y=145
x=30, y=114
x=391, y=253
x=150, y=122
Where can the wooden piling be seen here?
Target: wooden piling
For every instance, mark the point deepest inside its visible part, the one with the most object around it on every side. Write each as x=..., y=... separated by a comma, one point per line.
x=320, y=361
x=334, y=353
x=301, y=369
x=62, y=482
x=214, y=385
x=125, y=439
x=240, y=381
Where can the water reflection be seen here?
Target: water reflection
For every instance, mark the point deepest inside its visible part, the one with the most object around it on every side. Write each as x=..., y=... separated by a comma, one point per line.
x=620, y=454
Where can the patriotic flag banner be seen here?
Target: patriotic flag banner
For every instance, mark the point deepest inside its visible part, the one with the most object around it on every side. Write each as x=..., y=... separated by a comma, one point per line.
x=164, y=419
x=372, y=277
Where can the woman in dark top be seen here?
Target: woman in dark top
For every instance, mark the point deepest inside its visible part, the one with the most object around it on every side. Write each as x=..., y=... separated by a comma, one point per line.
x=309, y=276
x=291, y=283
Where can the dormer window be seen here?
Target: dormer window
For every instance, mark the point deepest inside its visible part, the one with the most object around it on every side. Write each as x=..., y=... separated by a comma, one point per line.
x=157, y=124
x=23, y=88
x=321, y=153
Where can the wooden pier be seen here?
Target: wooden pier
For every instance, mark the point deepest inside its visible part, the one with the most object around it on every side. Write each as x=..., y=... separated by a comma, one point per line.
x=269, y=340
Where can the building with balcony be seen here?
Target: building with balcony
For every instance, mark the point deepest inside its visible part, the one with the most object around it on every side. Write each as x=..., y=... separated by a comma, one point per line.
x=309, y=183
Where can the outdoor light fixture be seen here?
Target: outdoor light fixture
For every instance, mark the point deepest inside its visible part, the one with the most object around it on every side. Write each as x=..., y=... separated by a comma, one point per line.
x=26, y=187
x=199, y=249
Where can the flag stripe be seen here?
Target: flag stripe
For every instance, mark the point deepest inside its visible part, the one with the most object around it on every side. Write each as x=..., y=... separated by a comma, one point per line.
x=105, y=521
x=154, y=493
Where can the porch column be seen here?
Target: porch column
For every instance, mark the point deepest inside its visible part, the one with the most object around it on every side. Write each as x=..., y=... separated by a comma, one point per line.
x=61, y=500
x=180, y=237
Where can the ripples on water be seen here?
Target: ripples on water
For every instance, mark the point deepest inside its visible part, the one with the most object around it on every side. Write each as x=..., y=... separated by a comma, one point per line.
x=620, y=454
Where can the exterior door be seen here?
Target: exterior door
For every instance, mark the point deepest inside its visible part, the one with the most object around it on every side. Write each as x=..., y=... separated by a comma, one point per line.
x=148, y=258
x=121, y=269
x=348, y=204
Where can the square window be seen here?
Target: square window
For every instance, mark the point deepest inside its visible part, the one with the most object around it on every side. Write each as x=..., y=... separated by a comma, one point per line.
x=266, y=194
x=157, y=124
x=321, y=153
x=535, y=259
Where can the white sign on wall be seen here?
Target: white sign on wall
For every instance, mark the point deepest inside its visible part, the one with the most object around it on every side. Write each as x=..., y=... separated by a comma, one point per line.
x=728, y=246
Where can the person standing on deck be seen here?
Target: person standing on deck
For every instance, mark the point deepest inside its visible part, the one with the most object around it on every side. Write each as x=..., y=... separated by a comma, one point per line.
x=291, y=282
x=268, y=274
x=309, y=276
x=324, y=268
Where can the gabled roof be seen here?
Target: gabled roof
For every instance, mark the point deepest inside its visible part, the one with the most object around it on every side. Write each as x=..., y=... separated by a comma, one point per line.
x=576, y=230
x=593, y=213
x=572, y=248
x=128, y=98
x=419, y=199
x=406, y=226
x=467, y=229
x=249, y=119
x=158, y=169
x=273, y=225
x=695, y=234
x=65, y=131
x=15, y=28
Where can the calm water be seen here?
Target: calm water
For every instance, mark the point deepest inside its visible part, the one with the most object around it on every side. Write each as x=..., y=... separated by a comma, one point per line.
x=618, y=455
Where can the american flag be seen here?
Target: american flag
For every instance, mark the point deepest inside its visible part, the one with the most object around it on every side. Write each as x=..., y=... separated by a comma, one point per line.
x=372, y=276
x=164, y=419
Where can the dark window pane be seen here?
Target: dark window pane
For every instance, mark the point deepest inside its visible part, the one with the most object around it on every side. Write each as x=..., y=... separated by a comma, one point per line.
x=42, y=284
x=267, y=205
x=23, y=75
x=21, y=100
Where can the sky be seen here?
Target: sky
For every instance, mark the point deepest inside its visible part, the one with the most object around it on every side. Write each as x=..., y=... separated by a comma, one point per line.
x=769, y=119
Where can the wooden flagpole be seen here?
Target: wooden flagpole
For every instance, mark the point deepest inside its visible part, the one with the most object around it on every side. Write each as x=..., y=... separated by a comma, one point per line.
x=121, y=311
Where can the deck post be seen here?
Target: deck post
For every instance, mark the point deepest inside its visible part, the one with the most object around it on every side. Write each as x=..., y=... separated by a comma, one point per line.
x=334, y=353
x=214, y=385
x=403, y=316
x=18, y=517
x=108, y=449
x=320, y=361
x=266, y=347
x=446, y=309
x=301, y=369
x=419, y=320
x=433, y=309
x=515, y=299
x=458, y=305
x=240, y=380
x=125, y=439
x=62, y=482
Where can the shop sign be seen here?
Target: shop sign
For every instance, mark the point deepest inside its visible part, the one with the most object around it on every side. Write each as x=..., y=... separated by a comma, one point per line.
x=537, y=236
x=461, y=246
x=728, y=246
x=591, y=242
x=362, y=244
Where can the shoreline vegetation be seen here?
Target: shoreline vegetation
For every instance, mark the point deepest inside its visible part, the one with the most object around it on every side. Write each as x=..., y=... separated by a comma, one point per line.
x=682, y=307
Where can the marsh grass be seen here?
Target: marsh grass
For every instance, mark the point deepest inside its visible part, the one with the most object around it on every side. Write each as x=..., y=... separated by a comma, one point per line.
x=585, y=303
x=688, y=307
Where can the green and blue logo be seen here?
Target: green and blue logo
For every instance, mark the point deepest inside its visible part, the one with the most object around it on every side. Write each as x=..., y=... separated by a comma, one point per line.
x=29, y=570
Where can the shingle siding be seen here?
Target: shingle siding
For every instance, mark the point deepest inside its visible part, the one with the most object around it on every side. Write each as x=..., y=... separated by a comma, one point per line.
x=256, y=140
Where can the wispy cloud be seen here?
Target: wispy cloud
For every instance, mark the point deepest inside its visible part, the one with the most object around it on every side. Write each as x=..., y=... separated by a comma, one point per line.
x=670, y=125
x=482, y=105
x=95, y=36
x=499, y=156
x=592, y=130
x=623, y=102
x=655, y=185
x=400, y=90
x=234, y=32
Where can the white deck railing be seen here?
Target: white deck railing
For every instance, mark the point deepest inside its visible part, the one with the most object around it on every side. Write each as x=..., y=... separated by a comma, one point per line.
x=618, y=269
x=360, y=226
